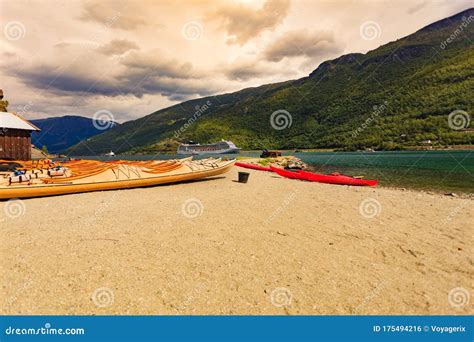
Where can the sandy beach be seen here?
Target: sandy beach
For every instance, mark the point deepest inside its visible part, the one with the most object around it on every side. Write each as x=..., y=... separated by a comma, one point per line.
x=272, y=246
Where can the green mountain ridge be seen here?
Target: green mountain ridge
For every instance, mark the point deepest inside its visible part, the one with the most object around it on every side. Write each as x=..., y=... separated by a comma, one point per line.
x=397, y=95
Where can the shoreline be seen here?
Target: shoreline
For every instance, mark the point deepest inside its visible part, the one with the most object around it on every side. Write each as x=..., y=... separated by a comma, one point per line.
x=466, y=192
x=398, y=176
x=408, y=149
x=331, y=150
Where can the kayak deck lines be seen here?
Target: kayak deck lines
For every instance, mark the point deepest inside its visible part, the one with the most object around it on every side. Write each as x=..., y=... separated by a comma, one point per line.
x=89, y=175
x=320, y=178
x=311, y=176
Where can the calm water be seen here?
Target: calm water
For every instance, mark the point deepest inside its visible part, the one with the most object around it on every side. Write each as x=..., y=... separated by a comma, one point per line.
x=429, y=170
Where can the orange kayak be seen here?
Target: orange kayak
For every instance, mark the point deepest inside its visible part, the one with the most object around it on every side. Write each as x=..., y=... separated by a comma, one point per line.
x=106, y=176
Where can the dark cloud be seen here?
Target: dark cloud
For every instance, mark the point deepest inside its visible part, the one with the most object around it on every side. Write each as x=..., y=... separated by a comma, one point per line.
x=152, y=63
x=243, y=23
x=148, y=73
x=118, y=47
x=243, y=72
x=302, y=43
x=246, y=70
x=54, y=79
x=141, y=74
x=174, y=89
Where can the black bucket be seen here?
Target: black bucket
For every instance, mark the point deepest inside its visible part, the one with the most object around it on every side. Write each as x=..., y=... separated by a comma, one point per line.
x=243, y=177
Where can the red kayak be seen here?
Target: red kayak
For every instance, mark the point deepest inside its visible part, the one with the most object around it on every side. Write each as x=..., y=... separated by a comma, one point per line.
x=253, y=166
x=330, y=179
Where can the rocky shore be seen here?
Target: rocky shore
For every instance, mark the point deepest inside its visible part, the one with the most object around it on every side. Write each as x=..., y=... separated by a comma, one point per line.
x=287, y=162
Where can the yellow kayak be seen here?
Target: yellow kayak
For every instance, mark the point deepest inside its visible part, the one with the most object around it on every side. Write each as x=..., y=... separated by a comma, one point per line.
x=85, y=176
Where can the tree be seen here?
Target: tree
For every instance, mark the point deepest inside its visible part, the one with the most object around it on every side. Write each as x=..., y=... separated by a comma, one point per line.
x=44, y=149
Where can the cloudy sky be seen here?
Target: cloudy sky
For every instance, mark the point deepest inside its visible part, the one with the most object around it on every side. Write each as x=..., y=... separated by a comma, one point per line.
x=63, y=57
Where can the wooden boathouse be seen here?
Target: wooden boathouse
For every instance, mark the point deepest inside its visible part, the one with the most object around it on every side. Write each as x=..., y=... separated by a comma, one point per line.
x=15, y=134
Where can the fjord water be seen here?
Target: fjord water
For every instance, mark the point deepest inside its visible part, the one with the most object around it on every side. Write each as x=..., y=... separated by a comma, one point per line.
x=447, y=170
x=428, y=170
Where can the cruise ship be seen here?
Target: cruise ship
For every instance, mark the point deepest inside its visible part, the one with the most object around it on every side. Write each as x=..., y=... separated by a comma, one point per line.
x=216, y=148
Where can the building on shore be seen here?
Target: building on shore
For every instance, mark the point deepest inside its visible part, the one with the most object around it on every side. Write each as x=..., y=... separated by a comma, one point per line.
x=15, y=134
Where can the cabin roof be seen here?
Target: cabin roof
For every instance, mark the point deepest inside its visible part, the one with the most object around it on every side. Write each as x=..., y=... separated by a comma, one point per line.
x=15, y=121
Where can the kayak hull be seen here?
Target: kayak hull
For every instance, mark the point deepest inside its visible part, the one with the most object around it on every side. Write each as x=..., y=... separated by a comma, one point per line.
x=63, y=188
x=253, y=167
x=341, y=180
x=320, y=178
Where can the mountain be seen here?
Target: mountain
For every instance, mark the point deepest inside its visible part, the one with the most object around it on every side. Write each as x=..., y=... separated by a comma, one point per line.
x=397, y=95
x=60, y=133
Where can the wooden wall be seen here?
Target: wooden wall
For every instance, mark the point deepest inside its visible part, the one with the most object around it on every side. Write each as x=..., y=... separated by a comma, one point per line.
x=15, y=144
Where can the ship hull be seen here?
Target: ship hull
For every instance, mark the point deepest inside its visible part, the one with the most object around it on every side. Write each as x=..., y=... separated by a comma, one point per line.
x=226, y=151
